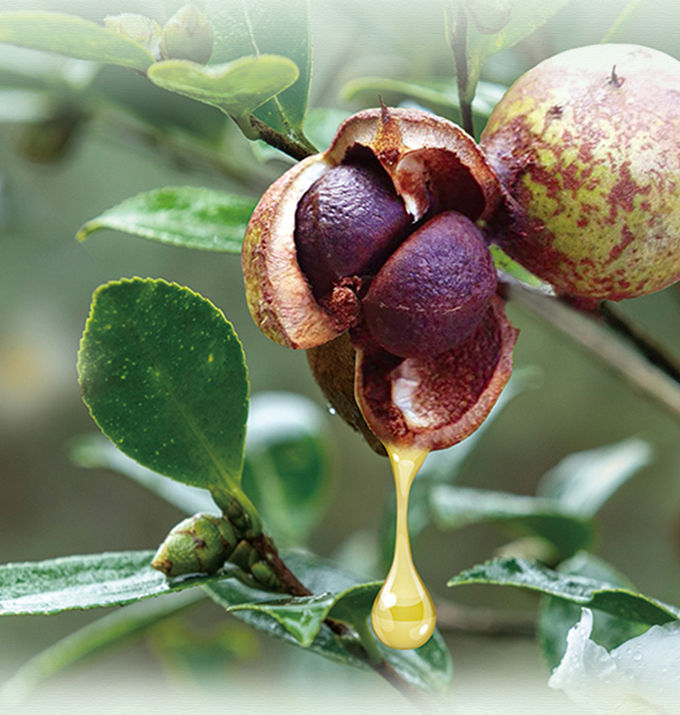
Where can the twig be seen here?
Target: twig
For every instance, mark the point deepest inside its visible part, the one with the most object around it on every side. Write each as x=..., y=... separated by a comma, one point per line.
x=298, y=148
x=484, y=621
x=614, y=352
x=654, y=352
x=459, y=47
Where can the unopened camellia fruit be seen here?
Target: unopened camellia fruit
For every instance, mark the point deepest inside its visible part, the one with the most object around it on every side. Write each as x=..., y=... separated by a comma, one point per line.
x=587, y=146
x=372, y=256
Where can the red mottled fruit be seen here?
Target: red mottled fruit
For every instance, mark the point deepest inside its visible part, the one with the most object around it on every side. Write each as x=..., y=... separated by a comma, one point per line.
x=434, y=290
x=587, y=147
x=346, y=224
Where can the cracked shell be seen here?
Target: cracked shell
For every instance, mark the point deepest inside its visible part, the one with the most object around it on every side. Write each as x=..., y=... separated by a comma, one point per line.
x=434, y=167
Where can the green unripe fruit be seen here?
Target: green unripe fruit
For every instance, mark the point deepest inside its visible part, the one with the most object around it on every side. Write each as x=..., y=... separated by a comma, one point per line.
x=587, y=145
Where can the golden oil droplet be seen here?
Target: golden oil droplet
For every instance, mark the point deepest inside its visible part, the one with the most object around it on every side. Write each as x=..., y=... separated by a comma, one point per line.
x=403, y=615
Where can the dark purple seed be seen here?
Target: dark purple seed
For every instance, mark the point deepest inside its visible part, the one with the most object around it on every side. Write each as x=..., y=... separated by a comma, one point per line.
x=433, y=291
x=346, y=224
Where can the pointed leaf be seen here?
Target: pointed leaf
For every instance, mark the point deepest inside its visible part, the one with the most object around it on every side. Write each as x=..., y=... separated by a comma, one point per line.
x=164, y=376
x=436, y=93
x=62, y=584
x=507, y=267
x=237, y=88
x=73, y=36
x=96, y=636
x=582, y=482
x=181, y=216
x=557, y=616
x=455, y=507
x=268, y=26
x=287, y=468
x=95, y=451
x=428, y=668
x=588, y=592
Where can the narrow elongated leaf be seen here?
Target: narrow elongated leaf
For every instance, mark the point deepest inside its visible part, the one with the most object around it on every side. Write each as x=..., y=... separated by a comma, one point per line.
x=437, y=93
x=582, y=482
x=557, y=616
x=62, y=584
x=267, y=26
x=73, y=36
x=99, y=635
x=591, y=593
x=509, y=268
x=187, y=216
x=164, y=376
x=95, y=451
x=455, y=507
x=428, y=668
x=237, y=88
x=287, y=469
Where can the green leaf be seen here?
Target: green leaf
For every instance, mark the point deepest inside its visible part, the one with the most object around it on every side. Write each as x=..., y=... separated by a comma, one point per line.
x=187, y=216
x=582, y=482
x=99, y=635
x=428, y=668
x=557, y=616
x=586, y=592
x=94, y=451
x=73, y=36
x=627, y=18
x=287, y=470
x=237, y=88
x=436, y=93
x=268, y=26
x=164, y=376
x=62, y=584
x=526, y=16
x=455, y=507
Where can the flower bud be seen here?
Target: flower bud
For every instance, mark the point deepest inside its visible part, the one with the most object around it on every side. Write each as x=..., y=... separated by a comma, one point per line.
x=187, y=35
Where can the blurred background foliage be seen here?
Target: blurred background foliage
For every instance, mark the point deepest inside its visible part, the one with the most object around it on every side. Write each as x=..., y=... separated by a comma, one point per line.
x=75, y=141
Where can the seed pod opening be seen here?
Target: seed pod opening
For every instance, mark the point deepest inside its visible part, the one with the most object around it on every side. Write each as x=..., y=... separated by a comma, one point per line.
x=377, y=236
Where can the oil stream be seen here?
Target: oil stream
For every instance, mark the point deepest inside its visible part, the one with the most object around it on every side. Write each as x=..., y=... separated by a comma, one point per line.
x=403, y=615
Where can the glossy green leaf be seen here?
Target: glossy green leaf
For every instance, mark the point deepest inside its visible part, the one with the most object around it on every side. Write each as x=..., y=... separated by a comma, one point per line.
x=587, y=592
x=456, y=507
x=273, y=27
x=96, y=636
x=287, y=470
x=62, y=584
x=73, y=36
x=428, y=668
x=583, y=482
x=237, y=88
x=187, y=216
x=95, y=451
x=437, y=93
x=164, y=376
x=557, y=616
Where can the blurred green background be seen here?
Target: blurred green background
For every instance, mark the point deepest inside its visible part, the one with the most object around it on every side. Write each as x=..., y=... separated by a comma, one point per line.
x=55, y=176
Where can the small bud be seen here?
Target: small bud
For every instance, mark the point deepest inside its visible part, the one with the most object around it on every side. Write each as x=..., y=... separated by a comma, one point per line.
x=244, y=555
x=199, y=544
x=264, y=573
x=187, y=35
x=136, y=27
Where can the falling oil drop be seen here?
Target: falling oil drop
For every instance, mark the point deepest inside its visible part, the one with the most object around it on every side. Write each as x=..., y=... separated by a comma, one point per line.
x=403, y=615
